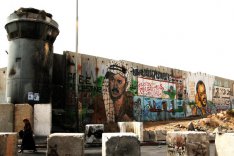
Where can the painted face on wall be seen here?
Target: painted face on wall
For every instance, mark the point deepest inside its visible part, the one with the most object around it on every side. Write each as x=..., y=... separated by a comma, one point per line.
x=201, y=91
x=117, y=86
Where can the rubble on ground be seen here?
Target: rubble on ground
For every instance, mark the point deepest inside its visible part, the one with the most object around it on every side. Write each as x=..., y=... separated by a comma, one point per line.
x=223, y=122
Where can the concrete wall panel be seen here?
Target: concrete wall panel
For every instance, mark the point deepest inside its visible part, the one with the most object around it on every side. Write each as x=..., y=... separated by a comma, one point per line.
x=42, y=119
x=22, y=111
x=6, y=117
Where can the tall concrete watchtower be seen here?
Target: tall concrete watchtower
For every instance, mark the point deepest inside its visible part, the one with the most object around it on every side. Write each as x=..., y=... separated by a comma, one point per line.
x=31, y=34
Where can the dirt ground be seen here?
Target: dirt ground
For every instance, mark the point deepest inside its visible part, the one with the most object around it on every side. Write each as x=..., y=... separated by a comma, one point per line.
x=224, y=121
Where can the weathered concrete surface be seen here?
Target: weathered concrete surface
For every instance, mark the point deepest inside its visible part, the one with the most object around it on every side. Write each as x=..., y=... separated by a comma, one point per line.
x=120, y=144
x=42, y=119
x=8, y=144
x=160, y=135
x=71, y=144
x=22, y=111
x=149, y=136
x=93, y=133
x=134, y=127
x=3, y=85
x=187, y=143
x=224, y=144
x=6, y=117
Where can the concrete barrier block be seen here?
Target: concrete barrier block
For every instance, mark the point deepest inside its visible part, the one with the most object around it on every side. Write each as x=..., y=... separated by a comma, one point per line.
x=160, y=135
x=120, y=144
x=134, y=127
x=42, y=119
x=146, y=136
x=22, y=111
x=224, y=144
x=187, y=143
x=71, y=144
x=6, y=117
x=8, y=144
x=93, y=133
x=149, y=136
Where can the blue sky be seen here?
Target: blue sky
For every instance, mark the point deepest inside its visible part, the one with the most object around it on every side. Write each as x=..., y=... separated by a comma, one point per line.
x=196, y=36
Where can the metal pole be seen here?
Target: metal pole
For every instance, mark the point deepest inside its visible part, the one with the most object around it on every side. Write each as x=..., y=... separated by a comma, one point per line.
x=76, y=64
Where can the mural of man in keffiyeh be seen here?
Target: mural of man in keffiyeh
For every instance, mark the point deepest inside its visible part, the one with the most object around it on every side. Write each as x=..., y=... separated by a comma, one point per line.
x=116, y=102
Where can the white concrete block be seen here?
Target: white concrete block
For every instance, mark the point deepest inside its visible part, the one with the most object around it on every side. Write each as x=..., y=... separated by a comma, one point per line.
x=6, y=117
x=8, y=144
x=93, y=133
x=120, y=144
x=71, y=144
x=134, y=127
x=224, y=144
x=187, y=143
x=42, y=119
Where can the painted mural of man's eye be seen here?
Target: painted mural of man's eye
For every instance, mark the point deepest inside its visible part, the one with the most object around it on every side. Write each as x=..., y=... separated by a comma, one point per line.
x=119, y=81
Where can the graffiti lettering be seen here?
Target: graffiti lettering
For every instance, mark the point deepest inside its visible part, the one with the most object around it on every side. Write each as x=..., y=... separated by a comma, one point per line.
x=156, y=75
x=84, y=80
x=88, y=88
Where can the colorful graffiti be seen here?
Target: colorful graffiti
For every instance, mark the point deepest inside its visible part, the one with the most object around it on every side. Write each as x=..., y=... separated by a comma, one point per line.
x=157, y=89
x=111, y=91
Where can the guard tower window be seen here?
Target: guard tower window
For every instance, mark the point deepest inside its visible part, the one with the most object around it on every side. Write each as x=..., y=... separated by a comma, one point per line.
x=32, y=30
x=12, y=30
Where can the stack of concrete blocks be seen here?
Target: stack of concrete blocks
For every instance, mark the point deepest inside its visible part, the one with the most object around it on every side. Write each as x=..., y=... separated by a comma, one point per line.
x=71, y=144
x=134, y=127
x=93, y=133
x=42, y=119
x=120, y=144
x=6, y=117
x=224, y=144
x=187, y=143
x=8, y=144
x=22, y=111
